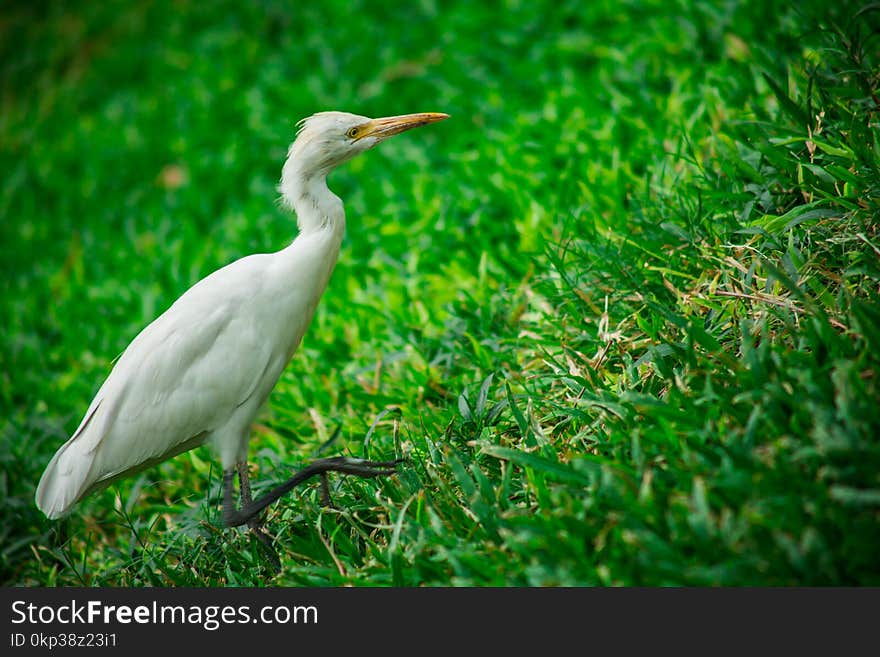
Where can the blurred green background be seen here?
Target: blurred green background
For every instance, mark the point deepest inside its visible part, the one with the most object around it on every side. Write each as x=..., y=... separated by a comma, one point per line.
x=608, y=166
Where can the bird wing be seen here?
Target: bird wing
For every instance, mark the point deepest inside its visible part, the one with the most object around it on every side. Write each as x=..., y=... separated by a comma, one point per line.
x=181, y=378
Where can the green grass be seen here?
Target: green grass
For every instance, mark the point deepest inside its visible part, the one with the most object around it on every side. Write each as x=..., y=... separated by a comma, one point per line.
x=621, y=311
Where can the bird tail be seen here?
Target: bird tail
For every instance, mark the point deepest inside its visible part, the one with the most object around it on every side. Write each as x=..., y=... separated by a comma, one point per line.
x=68, y=477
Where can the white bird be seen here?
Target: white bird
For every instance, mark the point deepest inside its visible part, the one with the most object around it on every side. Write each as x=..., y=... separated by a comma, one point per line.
x=201, y=371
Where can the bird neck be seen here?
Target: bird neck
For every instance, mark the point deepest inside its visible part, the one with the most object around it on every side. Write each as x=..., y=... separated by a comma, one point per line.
x=307, y=194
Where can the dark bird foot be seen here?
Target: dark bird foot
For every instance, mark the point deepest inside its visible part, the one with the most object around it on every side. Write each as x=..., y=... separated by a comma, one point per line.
x=233, y=517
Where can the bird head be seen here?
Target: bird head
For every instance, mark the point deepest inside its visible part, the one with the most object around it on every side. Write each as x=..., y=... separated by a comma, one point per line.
x=327, y=139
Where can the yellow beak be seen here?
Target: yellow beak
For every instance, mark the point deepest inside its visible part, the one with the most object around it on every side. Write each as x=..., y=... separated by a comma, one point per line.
x=393, y=125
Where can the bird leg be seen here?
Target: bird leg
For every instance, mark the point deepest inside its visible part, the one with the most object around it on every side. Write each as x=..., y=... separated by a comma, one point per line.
x=255, y=524
x=325, y=492
x=233, y=517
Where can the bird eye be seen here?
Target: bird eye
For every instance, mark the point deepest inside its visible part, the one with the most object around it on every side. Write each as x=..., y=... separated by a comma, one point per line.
x=352, y=133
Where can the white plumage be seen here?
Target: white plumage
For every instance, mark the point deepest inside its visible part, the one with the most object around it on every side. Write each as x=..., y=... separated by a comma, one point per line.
x=201, y=371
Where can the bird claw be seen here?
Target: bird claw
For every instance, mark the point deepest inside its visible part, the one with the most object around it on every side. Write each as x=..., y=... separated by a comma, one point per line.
x=352, y=466
x=233, y=517
x=358, y=467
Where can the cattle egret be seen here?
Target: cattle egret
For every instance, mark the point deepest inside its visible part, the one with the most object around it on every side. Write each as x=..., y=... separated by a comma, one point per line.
x=201, y=371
